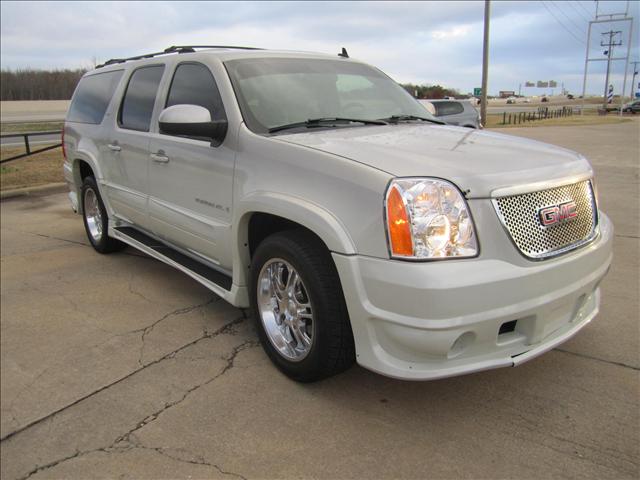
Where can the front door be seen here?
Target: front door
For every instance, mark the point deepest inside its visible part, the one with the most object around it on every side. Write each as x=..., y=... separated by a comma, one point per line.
x=190, y=182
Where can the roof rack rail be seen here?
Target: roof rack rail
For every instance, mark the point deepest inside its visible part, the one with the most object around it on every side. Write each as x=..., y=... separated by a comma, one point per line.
x=173, y=49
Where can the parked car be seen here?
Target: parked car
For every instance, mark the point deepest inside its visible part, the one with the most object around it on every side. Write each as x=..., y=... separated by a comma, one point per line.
x=454, y=112
x=317, y=192
x=631, y=107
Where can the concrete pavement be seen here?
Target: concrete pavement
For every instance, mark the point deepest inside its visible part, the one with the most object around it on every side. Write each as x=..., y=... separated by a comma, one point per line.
x=119, y=366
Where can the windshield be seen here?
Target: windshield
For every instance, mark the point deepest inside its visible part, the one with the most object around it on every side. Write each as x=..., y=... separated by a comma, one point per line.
x=280, y=91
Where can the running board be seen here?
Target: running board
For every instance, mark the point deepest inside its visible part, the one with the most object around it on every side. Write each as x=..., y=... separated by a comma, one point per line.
x=216, y=281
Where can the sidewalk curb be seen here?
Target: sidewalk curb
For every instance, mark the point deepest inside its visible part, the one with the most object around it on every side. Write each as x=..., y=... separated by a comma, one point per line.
x=46, y=189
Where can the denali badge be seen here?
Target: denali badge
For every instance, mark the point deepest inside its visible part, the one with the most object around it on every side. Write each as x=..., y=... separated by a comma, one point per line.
x=556, y=214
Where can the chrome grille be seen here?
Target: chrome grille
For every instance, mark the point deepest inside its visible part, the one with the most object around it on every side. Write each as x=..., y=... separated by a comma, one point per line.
x=519, y=215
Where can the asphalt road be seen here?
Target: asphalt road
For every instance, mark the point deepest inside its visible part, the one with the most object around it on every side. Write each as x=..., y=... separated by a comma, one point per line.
x=117, y=366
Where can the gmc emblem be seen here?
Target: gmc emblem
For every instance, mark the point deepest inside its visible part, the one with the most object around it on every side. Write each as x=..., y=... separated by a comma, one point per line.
x=556, y=214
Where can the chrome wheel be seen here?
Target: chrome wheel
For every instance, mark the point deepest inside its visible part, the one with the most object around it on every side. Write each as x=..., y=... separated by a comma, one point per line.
x=285, y=309
x=92, y=214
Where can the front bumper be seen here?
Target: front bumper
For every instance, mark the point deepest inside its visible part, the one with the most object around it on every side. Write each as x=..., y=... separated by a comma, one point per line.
x=422, y=321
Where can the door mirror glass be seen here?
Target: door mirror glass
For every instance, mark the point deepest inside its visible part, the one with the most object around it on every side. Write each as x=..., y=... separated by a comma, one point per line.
x=192, y=121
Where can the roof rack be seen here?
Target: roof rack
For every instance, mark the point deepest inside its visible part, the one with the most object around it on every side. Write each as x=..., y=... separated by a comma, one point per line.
x=173, y=49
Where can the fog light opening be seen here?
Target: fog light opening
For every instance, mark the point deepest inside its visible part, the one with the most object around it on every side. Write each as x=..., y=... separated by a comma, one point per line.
x=461, y=344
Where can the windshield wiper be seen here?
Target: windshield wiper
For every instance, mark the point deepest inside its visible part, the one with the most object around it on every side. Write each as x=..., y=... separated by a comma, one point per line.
x=325, y=121
x=406, y=118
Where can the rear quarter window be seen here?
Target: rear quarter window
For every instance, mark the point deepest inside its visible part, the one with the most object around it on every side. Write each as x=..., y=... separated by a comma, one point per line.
x=448, y=108
x=92, y=97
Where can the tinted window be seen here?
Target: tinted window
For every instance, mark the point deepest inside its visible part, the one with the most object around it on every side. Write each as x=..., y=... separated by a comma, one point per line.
x=448, y=108
x=92, y=97
x=137, y=106
x=193, y=84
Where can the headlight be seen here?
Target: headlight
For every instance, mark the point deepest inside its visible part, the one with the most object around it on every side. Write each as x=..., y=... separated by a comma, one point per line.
x=428, y=218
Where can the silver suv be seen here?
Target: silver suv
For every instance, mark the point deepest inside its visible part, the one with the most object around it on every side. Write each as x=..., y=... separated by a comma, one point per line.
x=314, y=190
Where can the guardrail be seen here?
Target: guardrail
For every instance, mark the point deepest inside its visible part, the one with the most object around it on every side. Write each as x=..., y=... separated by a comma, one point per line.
x=27, y=146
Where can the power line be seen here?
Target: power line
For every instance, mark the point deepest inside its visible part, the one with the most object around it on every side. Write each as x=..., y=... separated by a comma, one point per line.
x=560, y=23
x=585, y=10
x=568, y=18
x=582, y=17
x=587, y=19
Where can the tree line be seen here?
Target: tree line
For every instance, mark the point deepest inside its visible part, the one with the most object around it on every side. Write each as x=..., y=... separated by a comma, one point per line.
x=30, y=84
x=430, y=91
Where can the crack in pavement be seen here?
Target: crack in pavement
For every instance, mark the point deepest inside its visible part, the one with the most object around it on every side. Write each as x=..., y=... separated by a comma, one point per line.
x=145, y=331
x=125, y=442
x=180, y=311
x=206, y=335
x=75, y=242
x=610, y=362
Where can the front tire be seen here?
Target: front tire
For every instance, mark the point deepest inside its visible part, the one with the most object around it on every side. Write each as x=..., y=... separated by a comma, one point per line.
x=96, y=220
x=299, y=308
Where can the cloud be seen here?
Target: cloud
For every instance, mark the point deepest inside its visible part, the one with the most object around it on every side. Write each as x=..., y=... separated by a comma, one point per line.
x=420, y=42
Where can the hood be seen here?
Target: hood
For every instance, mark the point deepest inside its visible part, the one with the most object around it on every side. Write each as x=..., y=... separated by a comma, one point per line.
x=477, y=161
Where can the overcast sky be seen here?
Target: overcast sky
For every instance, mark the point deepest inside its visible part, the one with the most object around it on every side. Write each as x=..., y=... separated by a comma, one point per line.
x=419, y=42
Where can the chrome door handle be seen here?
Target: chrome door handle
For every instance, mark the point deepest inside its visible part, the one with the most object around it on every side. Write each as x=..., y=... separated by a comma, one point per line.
x=114, y=148
x=159, y=158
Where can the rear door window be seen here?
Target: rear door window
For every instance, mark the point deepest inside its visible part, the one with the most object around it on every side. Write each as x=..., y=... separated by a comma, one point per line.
x=92, y=97
x=448, y=108
x=140, y=97
x=193, y=84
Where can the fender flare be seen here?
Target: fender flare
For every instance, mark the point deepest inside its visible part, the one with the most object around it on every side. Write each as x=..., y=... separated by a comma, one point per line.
x=88, y=157
x=312, y=216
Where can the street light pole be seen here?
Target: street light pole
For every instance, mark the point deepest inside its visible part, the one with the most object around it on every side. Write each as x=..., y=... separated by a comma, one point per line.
x=485, y=63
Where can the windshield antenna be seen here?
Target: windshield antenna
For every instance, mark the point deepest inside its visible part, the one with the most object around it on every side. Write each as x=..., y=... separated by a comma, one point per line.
x=344, y=53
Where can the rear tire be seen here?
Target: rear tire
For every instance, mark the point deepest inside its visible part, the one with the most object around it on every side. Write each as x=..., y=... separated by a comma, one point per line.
x=96, y=220
x=299, y=308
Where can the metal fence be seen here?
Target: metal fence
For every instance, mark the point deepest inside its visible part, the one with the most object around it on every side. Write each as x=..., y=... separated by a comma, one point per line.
x=542, y=114
x=27, y=145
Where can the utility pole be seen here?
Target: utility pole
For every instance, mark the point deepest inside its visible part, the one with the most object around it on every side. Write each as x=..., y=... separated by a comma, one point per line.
x=610, y=44
x=485, y=62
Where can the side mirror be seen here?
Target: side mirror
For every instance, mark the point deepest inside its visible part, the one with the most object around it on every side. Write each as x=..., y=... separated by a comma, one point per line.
x=192, y=121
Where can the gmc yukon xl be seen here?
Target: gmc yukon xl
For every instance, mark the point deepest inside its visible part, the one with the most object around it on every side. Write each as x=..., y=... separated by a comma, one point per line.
x=315, y=191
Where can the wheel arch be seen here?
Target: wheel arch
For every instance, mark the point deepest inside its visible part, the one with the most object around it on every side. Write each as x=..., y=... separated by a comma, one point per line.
x=265, y=214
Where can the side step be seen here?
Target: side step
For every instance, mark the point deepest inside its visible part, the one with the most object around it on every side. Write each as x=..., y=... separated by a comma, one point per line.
x=168, y=255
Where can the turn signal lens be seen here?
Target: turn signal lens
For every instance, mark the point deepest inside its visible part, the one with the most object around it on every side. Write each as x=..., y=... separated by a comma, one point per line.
x=398, y=224
x=428, y=218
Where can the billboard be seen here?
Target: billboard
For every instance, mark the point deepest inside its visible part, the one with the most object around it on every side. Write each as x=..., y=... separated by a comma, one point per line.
x=507, y=93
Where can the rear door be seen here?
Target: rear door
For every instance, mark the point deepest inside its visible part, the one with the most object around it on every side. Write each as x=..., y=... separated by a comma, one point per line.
x=190, y=181
x=126, y=168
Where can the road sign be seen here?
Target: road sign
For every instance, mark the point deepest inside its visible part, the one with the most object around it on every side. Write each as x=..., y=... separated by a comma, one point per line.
x=553, y=84
x=477, y=92
x=529, y=84
x=542, y=84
